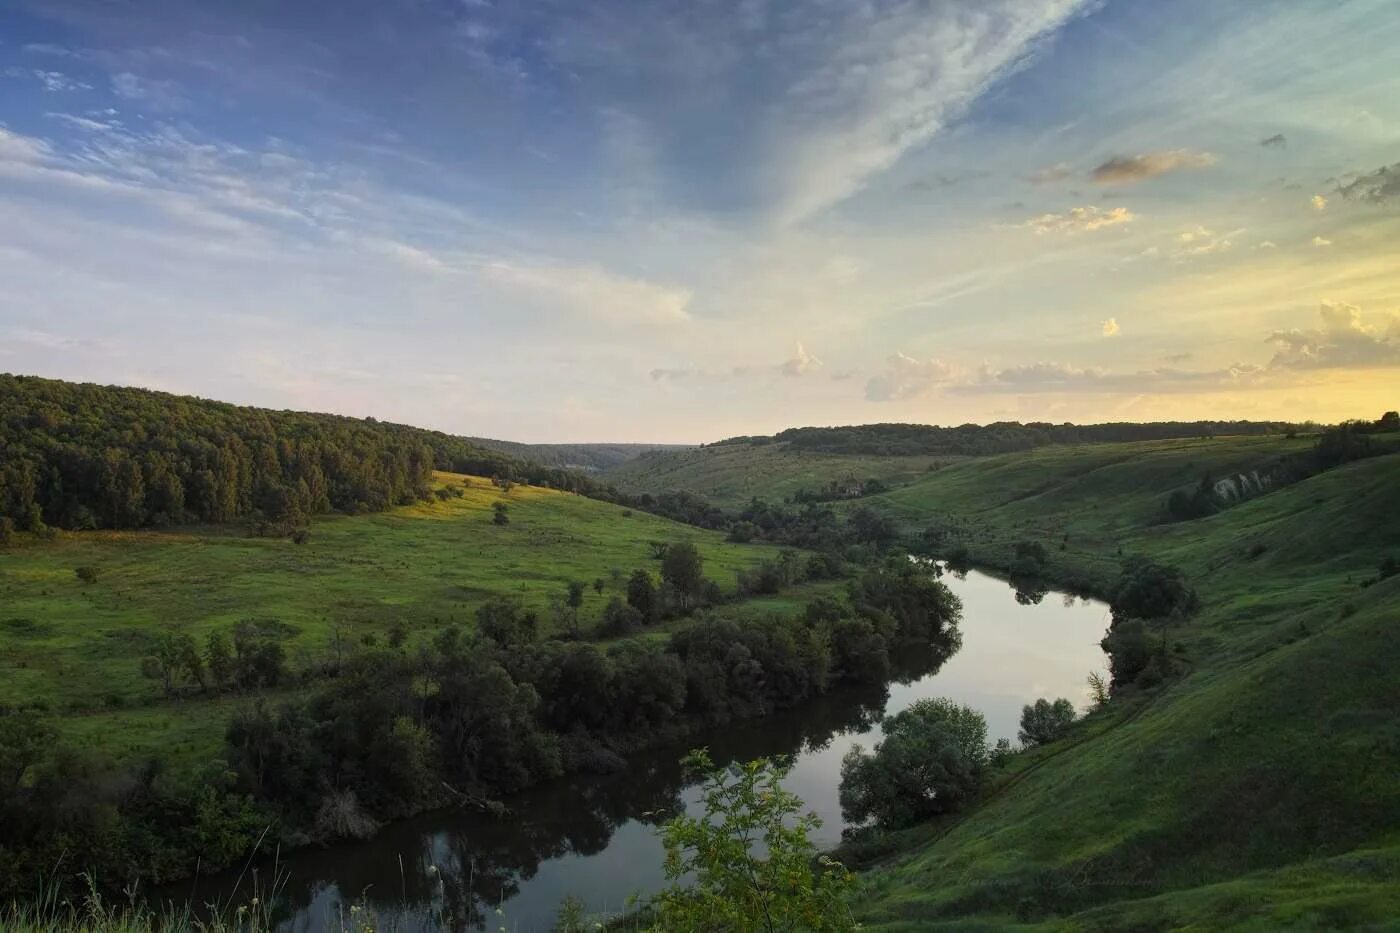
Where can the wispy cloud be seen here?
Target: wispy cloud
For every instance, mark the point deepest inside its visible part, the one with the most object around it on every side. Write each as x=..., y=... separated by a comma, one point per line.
x=1121, y=170
x=1080, y=220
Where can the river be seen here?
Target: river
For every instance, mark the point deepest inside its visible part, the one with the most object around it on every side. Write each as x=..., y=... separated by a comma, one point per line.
x=595, y=838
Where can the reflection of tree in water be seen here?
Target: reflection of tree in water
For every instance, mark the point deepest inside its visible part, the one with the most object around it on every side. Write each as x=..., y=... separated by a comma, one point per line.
x=450, y=871
x=1030, y=590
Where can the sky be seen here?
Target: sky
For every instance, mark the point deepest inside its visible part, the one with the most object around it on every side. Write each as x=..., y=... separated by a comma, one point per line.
x=547, y=220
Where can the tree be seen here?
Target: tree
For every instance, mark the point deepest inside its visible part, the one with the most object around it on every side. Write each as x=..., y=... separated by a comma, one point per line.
x=7, y=530
x=574, y=599
x=501, y=516
x=1390, y=421
x=171, y=656
x=599, y=585
x=718, y=880
x=931, y=761
x=24, y=740
x=218, y=658
x=620, y=619
x=683, y=568
x=642, y=596
x=506, y=623
x=1044, y=721
x=1152, y=591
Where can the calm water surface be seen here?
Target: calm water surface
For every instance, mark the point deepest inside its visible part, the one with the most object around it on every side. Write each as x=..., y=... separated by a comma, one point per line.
x=595, y=837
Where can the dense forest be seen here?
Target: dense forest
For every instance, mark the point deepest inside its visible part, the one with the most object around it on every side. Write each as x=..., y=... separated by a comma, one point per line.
x=87, y=456
x=1001, y=437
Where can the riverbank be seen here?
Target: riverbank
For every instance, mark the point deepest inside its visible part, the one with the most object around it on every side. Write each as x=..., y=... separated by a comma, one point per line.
x=1272, y=746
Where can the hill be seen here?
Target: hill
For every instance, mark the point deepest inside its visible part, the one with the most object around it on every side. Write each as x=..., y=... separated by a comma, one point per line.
x=834, y=462
x=1258, y=784
x=588, y=458
x=77, y=647
x=82, y=456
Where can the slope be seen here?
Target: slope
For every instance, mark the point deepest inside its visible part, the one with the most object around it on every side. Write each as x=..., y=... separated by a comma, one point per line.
x=1249, y=789
x=76, y=648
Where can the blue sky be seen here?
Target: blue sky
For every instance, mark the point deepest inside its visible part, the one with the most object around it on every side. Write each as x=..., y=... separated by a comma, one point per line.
x=681, y=221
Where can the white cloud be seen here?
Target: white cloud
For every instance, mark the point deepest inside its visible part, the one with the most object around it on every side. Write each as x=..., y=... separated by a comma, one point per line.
x=1110, y=327
x=1321, y=241
x=906, y=377
x=1344, y=339
x=1080, y=219
x=155, y=93
x=867, y=82
x=1319, y=203
x=801, y=364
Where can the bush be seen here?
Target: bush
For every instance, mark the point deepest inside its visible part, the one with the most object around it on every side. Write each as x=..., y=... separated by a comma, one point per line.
x=1043, y=721
x=87, y=573
x=502, y=514
x=719, y=882
x=1148, y=590
x=619, y=618
x=931, y=761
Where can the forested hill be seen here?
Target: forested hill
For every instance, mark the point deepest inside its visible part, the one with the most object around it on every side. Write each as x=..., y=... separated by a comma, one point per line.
x=1001, y=437
x=590, y=458
x=82, y=456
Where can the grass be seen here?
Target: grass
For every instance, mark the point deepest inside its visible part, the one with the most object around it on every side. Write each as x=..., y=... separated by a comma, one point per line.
x=1261, y=788
x=77, y=647
x=730, y=475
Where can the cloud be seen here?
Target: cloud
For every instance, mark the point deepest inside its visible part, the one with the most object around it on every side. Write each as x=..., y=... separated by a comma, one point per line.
x=159, y=95
x=1202, y=241
x=1110, y=327
x=1061, y=377
x=590, y=291
x=1276, y=141
x=1321, y=241
x=1319, y=203
x=1267, y=244
x=863, y=84
x=906, y=377
x=1080, y=219
x=801, y=364
x=1343, y=340
x=51, y=81
x=1380, y=187
x=1051, y=173
x=1121, y=170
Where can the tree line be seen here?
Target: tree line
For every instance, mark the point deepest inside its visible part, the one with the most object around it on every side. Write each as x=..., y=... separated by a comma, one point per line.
x=81, y=456
x=1000, y=437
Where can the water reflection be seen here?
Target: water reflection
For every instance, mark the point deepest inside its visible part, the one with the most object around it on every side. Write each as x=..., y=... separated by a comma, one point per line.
x=595, y=837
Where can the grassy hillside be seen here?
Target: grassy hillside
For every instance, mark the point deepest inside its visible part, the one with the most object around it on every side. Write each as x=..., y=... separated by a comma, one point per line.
x=1261, y=786
x=732, y=474
x=590, y=458
x=77, y=647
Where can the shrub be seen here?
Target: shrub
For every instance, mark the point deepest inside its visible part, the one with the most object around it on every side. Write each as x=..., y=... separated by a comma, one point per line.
x=931, y=761
x=87, y=573
x=1043, y=721
x=502, y=514
x=1149, y=590
x=619, y=618
x=720, y=882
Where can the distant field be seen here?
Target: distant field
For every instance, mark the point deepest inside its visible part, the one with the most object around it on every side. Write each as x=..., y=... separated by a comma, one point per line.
x=732, y=474
x=78, y=646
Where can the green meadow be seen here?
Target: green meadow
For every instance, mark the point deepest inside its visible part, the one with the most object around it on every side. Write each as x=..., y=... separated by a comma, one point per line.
x=76, y=647
x=729, y=475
